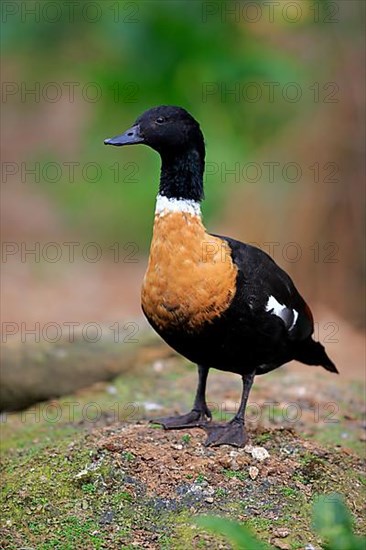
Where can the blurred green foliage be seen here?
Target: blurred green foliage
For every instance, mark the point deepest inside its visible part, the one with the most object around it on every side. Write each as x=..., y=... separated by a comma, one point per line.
x=140, y=54
x=331, y=520
x=239, y=536
x=334, y=523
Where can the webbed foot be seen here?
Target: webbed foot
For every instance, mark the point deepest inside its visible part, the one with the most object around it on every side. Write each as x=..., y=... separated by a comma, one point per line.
x=193, y=419
x=230, y=433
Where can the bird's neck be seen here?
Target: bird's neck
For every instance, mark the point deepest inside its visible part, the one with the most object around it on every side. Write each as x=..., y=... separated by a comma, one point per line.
x=181, y=177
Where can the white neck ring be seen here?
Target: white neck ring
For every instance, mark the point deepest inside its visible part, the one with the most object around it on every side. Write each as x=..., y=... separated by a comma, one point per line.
x=165, y=205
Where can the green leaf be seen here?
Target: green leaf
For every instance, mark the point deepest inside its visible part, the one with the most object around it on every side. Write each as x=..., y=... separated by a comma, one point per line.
x=333, y=522
x=238, y=535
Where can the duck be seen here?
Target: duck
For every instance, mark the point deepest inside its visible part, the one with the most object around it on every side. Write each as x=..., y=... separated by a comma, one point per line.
x=219, y=302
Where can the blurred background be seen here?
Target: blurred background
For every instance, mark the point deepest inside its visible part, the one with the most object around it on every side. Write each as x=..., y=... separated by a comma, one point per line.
x=278, y=88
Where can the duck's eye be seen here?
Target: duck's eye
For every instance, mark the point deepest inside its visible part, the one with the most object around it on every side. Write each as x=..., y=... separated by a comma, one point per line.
x=160, y=120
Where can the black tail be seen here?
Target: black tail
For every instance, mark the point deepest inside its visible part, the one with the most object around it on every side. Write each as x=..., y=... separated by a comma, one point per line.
x=313, y=353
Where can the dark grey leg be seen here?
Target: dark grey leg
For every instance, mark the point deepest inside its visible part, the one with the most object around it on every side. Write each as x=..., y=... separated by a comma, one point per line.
x=200, y=413
x=233, y=432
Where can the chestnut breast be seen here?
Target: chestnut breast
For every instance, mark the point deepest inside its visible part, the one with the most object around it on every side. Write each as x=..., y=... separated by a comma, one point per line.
x=190, y=278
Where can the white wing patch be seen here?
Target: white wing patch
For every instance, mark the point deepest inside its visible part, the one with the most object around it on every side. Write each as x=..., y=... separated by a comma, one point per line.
x=282, y=311
x=275, y=306
x=295, y=318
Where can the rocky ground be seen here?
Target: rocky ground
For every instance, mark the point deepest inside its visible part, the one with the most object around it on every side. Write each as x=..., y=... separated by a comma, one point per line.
x=87, y=470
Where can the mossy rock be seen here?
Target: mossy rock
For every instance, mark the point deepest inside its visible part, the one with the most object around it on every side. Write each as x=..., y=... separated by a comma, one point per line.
x=132, y=485
x=31, y=373
x=86, y=471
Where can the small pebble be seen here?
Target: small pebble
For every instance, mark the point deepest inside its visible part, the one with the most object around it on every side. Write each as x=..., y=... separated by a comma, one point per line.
x=259, y=453
x=281, y=532
x=279, y=543
x=225, y=461
x=107, y=517
x=83, y=475
x=158, y=366
x=209, y=500
x=151, y=406
x=253, y=472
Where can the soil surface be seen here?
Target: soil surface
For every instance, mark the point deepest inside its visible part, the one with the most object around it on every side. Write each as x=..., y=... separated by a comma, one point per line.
x=87, y=470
